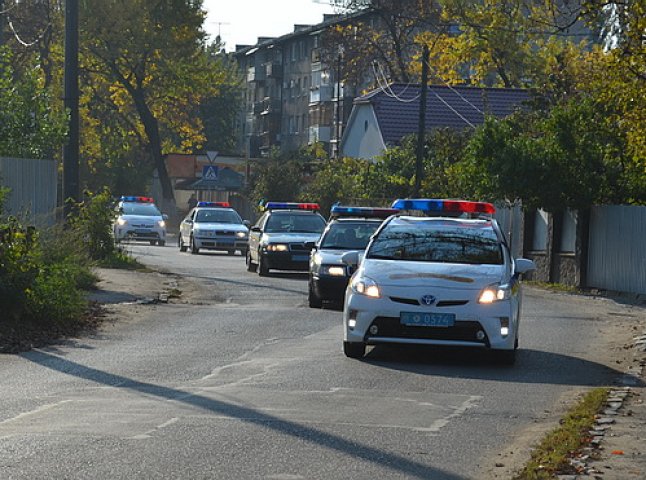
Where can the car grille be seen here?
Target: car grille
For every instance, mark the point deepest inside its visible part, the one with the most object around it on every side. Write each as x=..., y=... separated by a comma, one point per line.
x=142, y=225
x=441, y=303
x=298, y=247
x=462, y=331
x=225, y=233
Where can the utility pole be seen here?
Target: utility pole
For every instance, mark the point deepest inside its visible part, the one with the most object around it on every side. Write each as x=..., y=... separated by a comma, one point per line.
x=338, y=102
x=1, y=23
x=71, y=178
x=419, y=167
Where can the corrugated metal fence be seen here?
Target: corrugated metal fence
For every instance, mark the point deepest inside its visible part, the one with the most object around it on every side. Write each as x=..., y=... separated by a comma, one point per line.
x=34, y=185
x=617, y=249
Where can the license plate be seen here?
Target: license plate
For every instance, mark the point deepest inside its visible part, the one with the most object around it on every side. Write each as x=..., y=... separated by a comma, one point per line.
x=413, y=319
x=141, y=230
x=226, y=242
x=300, y=258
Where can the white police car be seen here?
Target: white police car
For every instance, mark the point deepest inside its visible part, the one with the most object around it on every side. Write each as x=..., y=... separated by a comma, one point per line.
x=349, y=228
x=283, y=237
x=436, y=280
x=213, y=226
x=138, y=218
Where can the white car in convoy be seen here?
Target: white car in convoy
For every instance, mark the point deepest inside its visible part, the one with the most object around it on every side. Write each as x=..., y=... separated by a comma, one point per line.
x=138, y=218
x=213, y=226
x=446, y=278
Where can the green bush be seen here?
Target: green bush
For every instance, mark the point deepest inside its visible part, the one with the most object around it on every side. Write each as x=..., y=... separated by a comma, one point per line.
x=92, y=222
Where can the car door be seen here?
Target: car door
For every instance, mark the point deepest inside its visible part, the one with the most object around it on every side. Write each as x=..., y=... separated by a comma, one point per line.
x=186, y=226
x=255, y=235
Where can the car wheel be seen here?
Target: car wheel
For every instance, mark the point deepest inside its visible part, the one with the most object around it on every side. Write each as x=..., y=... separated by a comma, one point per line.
x=243, y=253
x=161, y=243
x=313, y=299
x=262, y=266
x=354, y=349
x=231, y=252
x=152, y=242
x=505, y=357
x=180, y=242
x=194, y=249
x=251, y=267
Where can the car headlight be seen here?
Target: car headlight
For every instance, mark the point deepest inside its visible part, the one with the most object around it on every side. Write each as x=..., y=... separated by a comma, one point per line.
x=365, y=286
x=241, y=234
x=495, y=293
x=161, y=223
x=332, y=270
x=122, y=221
x=277, y=247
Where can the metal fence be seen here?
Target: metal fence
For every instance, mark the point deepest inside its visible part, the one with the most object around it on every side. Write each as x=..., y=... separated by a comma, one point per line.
x=617, y=249
x=33, y=188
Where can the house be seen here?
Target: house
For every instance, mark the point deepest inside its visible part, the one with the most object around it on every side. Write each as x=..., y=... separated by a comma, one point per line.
x=383, y=117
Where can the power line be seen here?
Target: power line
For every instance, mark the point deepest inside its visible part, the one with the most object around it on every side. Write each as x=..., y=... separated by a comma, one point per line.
x=454, y=90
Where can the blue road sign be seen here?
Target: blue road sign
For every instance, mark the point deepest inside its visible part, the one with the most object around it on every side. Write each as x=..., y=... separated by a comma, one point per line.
x=210, y=172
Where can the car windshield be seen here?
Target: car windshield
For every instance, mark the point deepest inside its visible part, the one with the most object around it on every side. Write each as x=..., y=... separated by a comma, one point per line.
x=437, y=243
x=217, y=216
x=348, y=236
x=296, y=223
x=144, y=209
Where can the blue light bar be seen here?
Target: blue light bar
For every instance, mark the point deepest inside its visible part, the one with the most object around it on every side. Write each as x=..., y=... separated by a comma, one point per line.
x=444, y=206
x=291, y=206
x=363, y=212
x=131, y=198
x=214, y=204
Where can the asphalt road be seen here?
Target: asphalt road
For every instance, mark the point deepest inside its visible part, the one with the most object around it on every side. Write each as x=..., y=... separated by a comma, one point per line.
x=253, y=384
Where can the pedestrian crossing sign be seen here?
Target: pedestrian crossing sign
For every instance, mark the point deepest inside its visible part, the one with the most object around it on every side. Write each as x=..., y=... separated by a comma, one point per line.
x=210, y=172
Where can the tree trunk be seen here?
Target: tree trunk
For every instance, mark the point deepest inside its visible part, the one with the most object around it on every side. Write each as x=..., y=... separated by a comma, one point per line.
x=151, y=126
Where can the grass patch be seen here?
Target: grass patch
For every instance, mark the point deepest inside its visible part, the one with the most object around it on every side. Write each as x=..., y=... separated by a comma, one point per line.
x=121, y=260
x=551, y=456
x=554, y=287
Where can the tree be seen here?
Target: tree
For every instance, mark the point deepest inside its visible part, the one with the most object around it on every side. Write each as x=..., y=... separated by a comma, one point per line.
x=29, y=126
x=151, y=57
x=379, y=34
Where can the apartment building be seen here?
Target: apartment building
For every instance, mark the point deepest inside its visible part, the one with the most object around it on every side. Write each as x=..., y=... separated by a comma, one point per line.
x=292, y=98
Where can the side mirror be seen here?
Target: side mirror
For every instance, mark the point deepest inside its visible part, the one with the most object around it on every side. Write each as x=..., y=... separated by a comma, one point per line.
x=246, y=223
x=523, y=265
x=164, y=216
x=352, y=258
x=310, y=245
x=188, y=221
x=256, y=229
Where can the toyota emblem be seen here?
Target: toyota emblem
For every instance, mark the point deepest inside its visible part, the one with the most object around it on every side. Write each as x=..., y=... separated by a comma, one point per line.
x=428, y=300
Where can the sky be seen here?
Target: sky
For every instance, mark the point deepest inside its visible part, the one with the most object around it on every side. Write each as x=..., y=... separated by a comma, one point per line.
x=243, y=21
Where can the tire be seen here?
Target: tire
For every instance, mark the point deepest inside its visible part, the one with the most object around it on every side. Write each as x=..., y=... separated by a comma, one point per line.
x=505, y=357
x=161, y=243
x=313, y=299
x=243, y=253
x=194, y=249
x=180, y=243
x=354, y=349
x=231, y=252
x=251, y=267
x=263, y=270
x=152, y=242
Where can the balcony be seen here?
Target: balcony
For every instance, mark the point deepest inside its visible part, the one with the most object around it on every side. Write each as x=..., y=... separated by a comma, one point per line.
x=255, y=74
x=274, y=70
x=318, y=133
x=321, y=94
x=270, y=106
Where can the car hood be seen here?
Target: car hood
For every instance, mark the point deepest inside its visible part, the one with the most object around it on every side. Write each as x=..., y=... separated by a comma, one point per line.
x=284, y=237
x=447, y=275
x=145, y=219
x=230, y=227
x=331, y=257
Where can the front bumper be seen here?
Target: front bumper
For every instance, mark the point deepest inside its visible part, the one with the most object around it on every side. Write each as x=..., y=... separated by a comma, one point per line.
x=377, y=321
x=291, y=260
x=131, y=233
x=218, y=243
x=330, y=288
